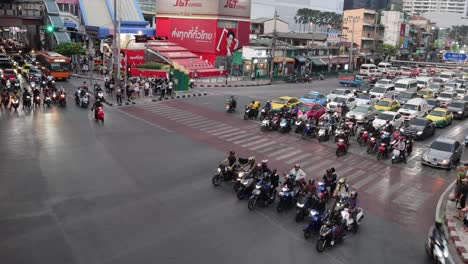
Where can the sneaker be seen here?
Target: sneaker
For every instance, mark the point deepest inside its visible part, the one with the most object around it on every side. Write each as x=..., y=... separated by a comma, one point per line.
x=332, y=242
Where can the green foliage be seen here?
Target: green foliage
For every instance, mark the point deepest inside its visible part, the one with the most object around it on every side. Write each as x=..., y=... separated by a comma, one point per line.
x=387, y=50
x=69, y=49
x=153, y=66
x=459, y=33
x=318, y=18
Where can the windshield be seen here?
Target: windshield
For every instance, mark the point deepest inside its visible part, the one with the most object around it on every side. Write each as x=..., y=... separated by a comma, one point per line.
x=364, y=96
x=340, y=99
x=447, y=76
x=401, y=85
x=446, y=95
x=338, y=92
x=384, y=103
x=280, y=101
x=422, y=82
x=442, y=146
x=450, y=84
x=423, y=92
x=434, y=86
x=410, y=107
x=405, y=96
x=385, y=116
x=418, y=122
x=460, y=91
x=361, y=109
x=311, y=96
x=305, y=108
x=431, y=101
x=378, y=90
x=437, y=113
x=465, y=98
x=60, y=67
x=383, y=82
x=457, y=104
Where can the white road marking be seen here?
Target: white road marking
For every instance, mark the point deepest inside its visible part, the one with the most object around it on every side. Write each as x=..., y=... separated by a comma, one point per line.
x=269, y=143
x=220, y=135
x=214, y=126
x=320, y=164
x=255, y=142
x=364, y=180
x=246, y=140
x=280, y=151
x=299, y=158
x=211, y=124
x=239, y=137
x=198, y=124
x=287, y=155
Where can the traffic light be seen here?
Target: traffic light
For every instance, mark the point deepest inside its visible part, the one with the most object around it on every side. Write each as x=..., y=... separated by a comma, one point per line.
x=50, y=29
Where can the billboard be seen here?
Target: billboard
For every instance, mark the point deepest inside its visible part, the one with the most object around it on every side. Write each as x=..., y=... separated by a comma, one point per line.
x=236, y=9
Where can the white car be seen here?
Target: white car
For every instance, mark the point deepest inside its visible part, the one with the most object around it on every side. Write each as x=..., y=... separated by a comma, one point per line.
x=362, y=113
x=436, y=87
x=460, y=93
x=339, y=92
x=383, y=92
x=339, y=100
x=395, y=119
x=446, y=97
x=385, y=83
x=365, y=99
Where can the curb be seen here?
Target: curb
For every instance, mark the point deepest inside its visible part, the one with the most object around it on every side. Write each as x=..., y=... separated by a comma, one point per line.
x=453, y=234
x=179, y=96
x=231, y=85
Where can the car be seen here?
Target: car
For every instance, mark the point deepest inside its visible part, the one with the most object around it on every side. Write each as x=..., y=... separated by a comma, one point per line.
x=8, y=74
x=287, y=101
x=337, y=92
x=461, y=83
x=35, y=72
x=465, y=98
x=381, y=92
x=386, y=104
x=312, y=110
x=436, y=87
x=25, y=69
x=365, y=99
x=404, y=97
x=442, y=153
x=450, y=86
x=425, y=93
x=432, y=103
x=364, y=88
x=446, y=97
x=419, y=128
x=314, y=97
x=414, y=108
x=362, y=113
x=406, y=71
x=400, y=77
x=339, y=100
x=461, y=92
x=458, y=108
x=384, y=83
x=441, y=116
x=381, y=119
x=390, y=75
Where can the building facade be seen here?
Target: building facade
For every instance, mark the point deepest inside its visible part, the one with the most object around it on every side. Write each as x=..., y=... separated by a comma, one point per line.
x=261, y=26
x=369, y=4
x=362, y=26
x=423, y=6
x=393, y=21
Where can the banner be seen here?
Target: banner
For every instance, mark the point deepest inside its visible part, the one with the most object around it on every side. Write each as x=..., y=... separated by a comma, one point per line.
x=198, y=35
x=134, y=57
x=239, y=9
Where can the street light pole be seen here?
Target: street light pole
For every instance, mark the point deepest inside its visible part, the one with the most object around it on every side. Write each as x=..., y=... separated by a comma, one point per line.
x=351, y=60
x=273, y=46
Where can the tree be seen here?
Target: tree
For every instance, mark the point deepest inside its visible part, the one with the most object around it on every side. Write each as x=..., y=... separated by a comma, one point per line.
x=386, y=50
x=70, y=49
x=459, y=34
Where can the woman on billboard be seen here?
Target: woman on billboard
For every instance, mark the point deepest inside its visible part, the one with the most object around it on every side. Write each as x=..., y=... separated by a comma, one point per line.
x=231, y=42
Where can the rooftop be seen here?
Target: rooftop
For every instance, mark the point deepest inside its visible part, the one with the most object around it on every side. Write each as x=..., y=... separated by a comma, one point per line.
x=262, y=20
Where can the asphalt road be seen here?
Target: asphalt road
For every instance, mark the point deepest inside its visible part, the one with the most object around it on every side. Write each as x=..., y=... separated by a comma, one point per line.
x=137, y=189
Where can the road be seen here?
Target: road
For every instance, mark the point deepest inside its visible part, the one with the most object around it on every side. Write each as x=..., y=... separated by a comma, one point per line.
x=137, y=189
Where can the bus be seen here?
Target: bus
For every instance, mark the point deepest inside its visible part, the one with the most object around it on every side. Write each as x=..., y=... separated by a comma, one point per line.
x=54, y=64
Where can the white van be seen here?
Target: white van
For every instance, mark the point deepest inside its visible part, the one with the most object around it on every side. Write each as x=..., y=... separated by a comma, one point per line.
x=447, y=76
x=417, y=107
x=384, y=67
x=406, y=85
x=423, y=82
x=366, y=69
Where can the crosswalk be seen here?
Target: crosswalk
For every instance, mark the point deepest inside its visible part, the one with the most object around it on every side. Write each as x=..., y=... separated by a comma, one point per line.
x=363, y=172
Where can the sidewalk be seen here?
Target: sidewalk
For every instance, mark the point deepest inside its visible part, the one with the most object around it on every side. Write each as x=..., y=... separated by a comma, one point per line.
x=456, y=232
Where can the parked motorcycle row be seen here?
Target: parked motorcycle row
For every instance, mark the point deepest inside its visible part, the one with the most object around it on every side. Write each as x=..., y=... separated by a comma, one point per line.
x=312, y=201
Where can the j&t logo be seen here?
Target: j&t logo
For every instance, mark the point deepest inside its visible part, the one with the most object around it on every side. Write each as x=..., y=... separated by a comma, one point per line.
x=181, y=3
x=231, y=3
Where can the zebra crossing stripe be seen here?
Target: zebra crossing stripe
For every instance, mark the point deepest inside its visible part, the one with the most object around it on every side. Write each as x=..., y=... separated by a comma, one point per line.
x=255, y=142
x=246, y=140
x=217, y=129
x=229, y=130
x=210, y=124
x=344, y=171
x=180, y=116
x=190, y=120
x=309, y=161
x=359, y=184
x=239, y=137
x=275, y=147
x=269, y=143
x=214, y=126
x=283, y=150
x=222, y=135
x=198, y=124
x=292, y=153
x=298, y=158
x=320, y=164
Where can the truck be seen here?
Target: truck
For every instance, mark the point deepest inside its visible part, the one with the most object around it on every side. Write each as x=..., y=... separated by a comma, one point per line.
x=351, y=80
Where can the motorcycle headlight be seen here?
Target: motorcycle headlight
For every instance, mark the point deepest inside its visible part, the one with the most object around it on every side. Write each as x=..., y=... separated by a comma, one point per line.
x=300, y=205
x=460, y=112
x=219, y=170
x=439, y=252
x=285, y=189
x=402, y=130
x=313, y=213
x=281, y=193
x=241, y=174
x=446, y=253
x=419, y=133
x=258, y=186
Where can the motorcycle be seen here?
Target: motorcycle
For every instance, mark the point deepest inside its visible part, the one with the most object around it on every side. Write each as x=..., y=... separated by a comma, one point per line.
x=353, y=127
x=27, y=102
x=37, y=101
x=342, y=147
x=326, y=236
x=15, y=103
x=246, y=188
x=5, y=101
x=47, y=101
x=230, y=105
x=363, y=137
x=63, y=101
x=316, y=221
x=100, y=96
x=223, y=174
x=324, y=132
x=382, y=151
x=263, y=113
x=99, y=114
x=371, y=145
x=309, y=130
x=299, y=123
x=241, y=175
x=437, y=249
x=265, y=194
x=250, y=113
x=54, y=97
x=84, y=101
x=17, y=86
x=285, y=125
x=302, y=207
x=351, y=223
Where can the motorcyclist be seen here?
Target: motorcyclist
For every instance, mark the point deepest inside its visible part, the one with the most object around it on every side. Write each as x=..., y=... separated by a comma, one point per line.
x=298, y=173
x=250, y=165
x=330, y=180
x=267, y=108
x=338, y=224
x=342, y=188
x=284, y=110
x=253, y=106
x=96, y=105
x=401, y=146
x=274, y=178
x=233, y=102
x=264, y=167
x=438, y=230
x=13, y=98
x=388, y=127
x=353, y=205
x=26, y=93
x=84, y=85
x=344, y=109
x=231, y=160
x=295, y=111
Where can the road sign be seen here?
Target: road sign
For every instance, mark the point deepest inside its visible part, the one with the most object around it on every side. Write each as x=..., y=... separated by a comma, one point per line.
x=455, y=56
x=69, y=24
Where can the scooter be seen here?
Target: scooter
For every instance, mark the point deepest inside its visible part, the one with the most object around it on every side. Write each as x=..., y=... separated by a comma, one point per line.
x=437, y=249
x=99, y=114
x=363, y=137
x=383, y=151
x=266, y=194
x=47, y=101
x=351, y=224
x=15, y=103
x=326, y=236
x=324, y=133
x=316, y=221
x=371, y=145
x=230, y=105
x=342, y=147
x=250, y=113
x=309, y=130
x=302, y=207
x=223, y=174
x=285, y=125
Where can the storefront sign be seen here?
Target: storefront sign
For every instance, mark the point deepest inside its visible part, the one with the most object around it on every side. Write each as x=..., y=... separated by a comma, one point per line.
x=333, y=36
x=205, y=8
x=134, y=57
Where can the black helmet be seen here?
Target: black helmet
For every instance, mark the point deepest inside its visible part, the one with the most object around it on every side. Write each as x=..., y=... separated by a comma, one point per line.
x=231, y=152
x=354, y=194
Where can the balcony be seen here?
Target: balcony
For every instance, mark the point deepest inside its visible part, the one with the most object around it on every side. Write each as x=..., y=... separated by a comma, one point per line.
x=30, y=14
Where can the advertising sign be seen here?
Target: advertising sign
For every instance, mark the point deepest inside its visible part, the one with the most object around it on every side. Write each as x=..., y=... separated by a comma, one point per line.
x=333, y=36
x=196, y=34
x=134, y=57
x=204, y=8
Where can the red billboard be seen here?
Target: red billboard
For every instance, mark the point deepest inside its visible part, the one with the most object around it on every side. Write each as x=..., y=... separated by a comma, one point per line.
x=134, y=57
x=239, y=9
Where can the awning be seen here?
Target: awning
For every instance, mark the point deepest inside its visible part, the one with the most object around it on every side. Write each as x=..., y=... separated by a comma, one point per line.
x=61, y=37
x=301, y=59
x=336, y=60
x=283, y=59
x=317, y=61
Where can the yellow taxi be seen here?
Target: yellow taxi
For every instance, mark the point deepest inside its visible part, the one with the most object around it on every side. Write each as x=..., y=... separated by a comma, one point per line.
x=425, y=93
x=26, y=67
x=441, y=117
x=386, y=104
x=287, y=101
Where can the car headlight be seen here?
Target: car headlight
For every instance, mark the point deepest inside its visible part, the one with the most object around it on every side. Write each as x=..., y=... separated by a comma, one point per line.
x=445, y=162
x=425, y=157
x=402, y=130
x=419, y=133
x=460, y=112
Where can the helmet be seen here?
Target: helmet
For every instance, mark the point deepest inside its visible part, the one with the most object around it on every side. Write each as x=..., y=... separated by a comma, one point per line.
x=231, y=152
x=251, y=158
x=259, y=165
x=401, y=138
x=388, y=122
x=328, y=171
x=342, y=180
x=253, y=101
x=354, y=194
x=268, y=101
x=438, y=223
x=297, y=165
x=332, y=169
x=264, y=162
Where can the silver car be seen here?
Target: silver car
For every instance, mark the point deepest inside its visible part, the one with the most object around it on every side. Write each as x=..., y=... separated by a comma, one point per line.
x=436, y=88
x=363, y=113
x=442, y=153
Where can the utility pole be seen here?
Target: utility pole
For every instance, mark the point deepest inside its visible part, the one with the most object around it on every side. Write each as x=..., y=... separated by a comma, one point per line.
x=116, y=43
x=273, y=46
x=351, y=60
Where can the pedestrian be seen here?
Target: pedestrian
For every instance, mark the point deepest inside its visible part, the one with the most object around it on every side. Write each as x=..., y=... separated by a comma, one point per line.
x=163, y=90
x=136, y=89
x=119, y=95
x=252, y=76
x=112, y=86
x=147, y=88
x=461, y=201
x=169, y=88
x=129, y=91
